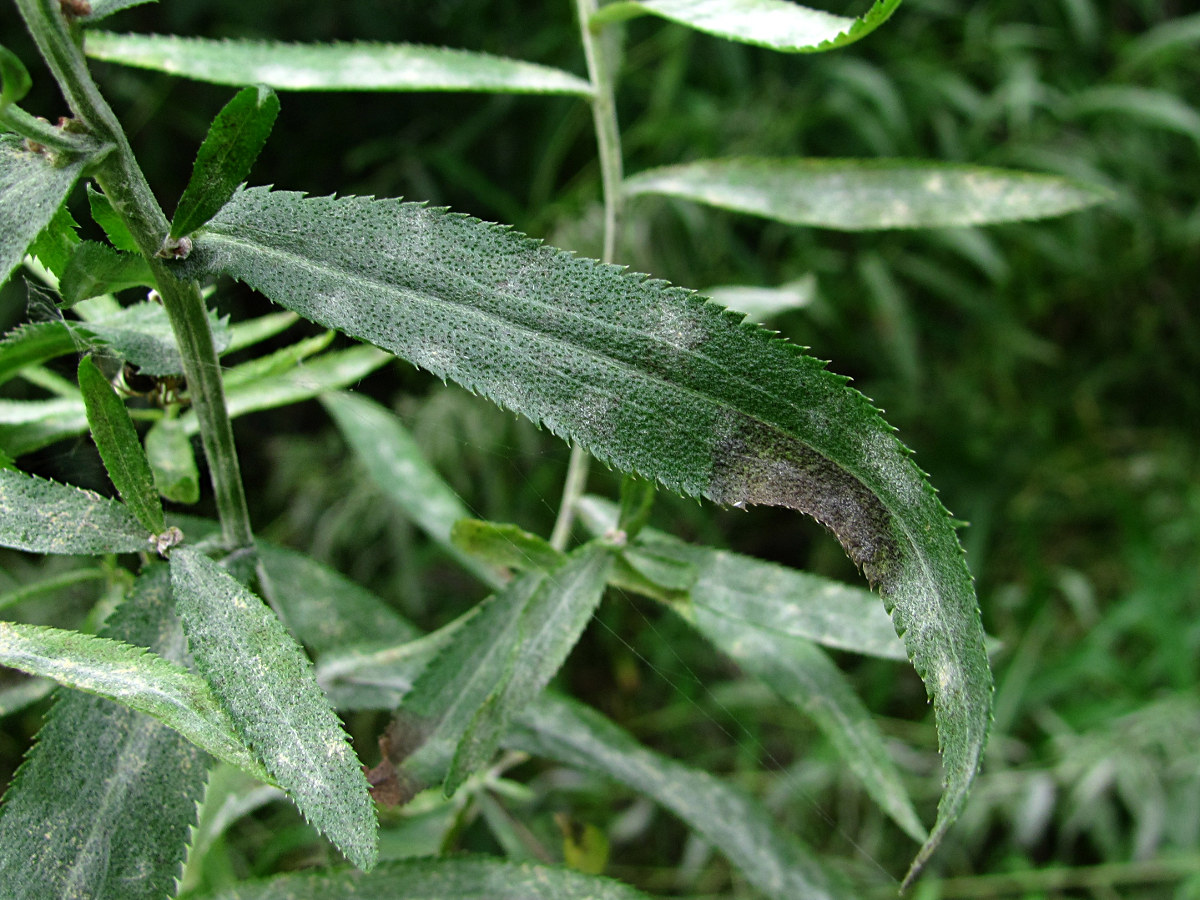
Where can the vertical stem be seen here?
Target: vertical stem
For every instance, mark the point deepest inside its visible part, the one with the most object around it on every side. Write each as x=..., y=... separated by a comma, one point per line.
x=121, y=179
x=601, y=52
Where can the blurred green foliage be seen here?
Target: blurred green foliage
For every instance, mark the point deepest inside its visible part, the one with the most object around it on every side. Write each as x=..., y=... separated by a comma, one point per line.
x=1045, y=374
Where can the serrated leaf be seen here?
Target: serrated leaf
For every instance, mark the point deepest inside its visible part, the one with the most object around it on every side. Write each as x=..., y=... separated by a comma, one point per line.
x=266, y=683
x=32, y=188
x=119, y=446
x=32, y=343
x=107, y=218
x=866, y=195
x=234, y=140
x=56, y=244
x=141, y=334
x=173, y=461
x=770, y=857
x=28, y=425
x=461, y=878
x=47, y=517
x=394, y=462
x=648, y=378
x=504, y=545
x=332, y=67
x=777, y=24
x=14, y=78
x=109, y=822
x=133, y=677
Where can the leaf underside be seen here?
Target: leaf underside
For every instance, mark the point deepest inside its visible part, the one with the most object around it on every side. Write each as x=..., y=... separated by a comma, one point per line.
x=649, y=378
x=46, y=517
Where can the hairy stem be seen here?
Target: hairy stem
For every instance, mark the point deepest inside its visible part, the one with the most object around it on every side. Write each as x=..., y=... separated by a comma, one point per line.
x=121, y=179
x=601, y=52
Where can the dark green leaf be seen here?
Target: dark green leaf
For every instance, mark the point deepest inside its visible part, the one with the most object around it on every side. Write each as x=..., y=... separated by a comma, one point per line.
x=173, y=461
x=266, y=683
x=864, y=195
x=97, y=269
x=235, y=138
x=457, y=878
x=119, y=447
x=108, y=219
x=637, y=499
x=32, y=188
x=110, y=817
x=55, y=246
x=770, y=858
x=650, y=379
x=14, y=78
x=33, y=343
x=333, y=67
x=46, y=517
x=777, y=24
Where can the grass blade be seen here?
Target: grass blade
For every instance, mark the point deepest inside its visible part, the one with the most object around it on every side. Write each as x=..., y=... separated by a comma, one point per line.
x=266, y=683
x=47, y=517
x=119, y=447
x=867, y=195
x=779, y=25
x=332, y=67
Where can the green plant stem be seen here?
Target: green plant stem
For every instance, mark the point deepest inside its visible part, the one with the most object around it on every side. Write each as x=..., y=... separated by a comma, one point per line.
x=600, y=50
x=121, y=179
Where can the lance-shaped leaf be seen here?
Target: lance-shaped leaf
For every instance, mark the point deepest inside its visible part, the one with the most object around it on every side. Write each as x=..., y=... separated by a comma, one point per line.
x=394, y=462
x=109, y=820
x=119, y=447
x=777, y=24
x=102, y=9
x=770, y=858
x=110, y=221
x=235, y=138
x=173, y=462
x=265, y=682
x=463, y=878
x=866, y=195
x=14, y=78
x=332, y=67
x=133, y=677
x=31, y=190
x=96, y=269
x=649, y=378
x=46, y=517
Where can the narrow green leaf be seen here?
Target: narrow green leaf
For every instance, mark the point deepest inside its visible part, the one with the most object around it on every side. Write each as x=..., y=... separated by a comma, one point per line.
x=266, y=683
x=280, y=362
x=28, y=425
x=504, y=545
x=133, y=677
x=650, y=379
x=102, y=9
x=394, y=462
x=141, y=334
x=249, y=332
x=333, y=67
x=777, y=24
x=109, y=820
x=52, y=585
x=107, y=218
x=121, y=451
x=46, y=517
x=1173, y=36
x=637, y=499
x=14, y=78
x=234, y=140
x=325, y=609
x=31, y=344
x=763, y=303
x=770, y=857
x=173, y=461
x=866, y=195
x=55, y=246
x=23, y=695
x=460, y=878
x=32, y=188
x=1159, y=108
x=230, y=795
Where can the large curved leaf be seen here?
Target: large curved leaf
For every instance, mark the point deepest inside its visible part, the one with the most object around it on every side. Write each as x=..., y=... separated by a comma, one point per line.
x=649, y=378
x=864, y=195
x=332, y=67
x=777, y=24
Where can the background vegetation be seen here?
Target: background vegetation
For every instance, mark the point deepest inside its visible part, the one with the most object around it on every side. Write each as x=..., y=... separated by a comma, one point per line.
x=1045, y=375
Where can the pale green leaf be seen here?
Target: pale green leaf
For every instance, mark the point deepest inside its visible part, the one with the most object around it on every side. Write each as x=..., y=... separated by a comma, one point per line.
x=133, y=677
x=1158, y=108
x=28, y=425
x=650, y=379
x=14, y=78
x=249, y=332
x=332, y=67
x=30, y=344
x=24, y=694
x=102, y=806
x=281, y=362
x=173, y=461
x=120, y=450
x=777, y=24
x=866, y=195
x=763, y=303
x=47, y=517
x=457, y=878
x=504, y=545
x=266, y=683
x=394, y=462
x=32, y=188
x=234, y=140
x=141, y=334
x=97, y=268
x=769, y=856
x=1174, y=36
x=102, y=9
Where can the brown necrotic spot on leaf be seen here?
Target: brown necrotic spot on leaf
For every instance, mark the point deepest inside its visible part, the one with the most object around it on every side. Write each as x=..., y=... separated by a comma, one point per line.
x=755, y=464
